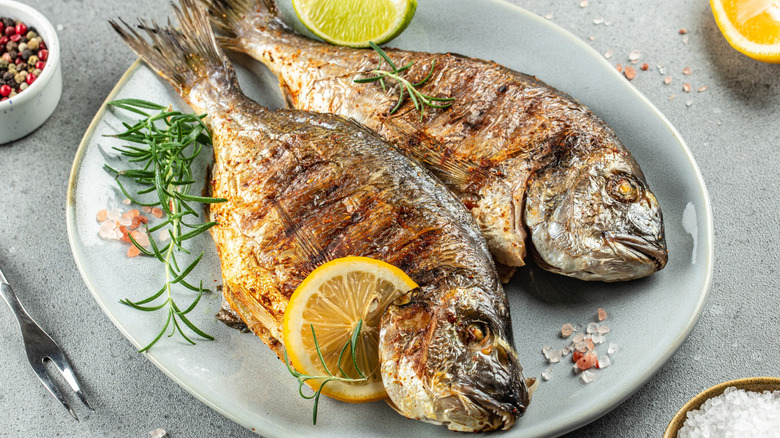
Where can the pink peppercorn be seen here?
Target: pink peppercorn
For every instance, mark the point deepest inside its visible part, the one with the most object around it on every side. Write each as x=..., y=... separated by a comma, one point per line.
x=40, y=65
x=15, y=37
x=4, y=40
x=2, y=27
x=30, y=79
x=5, y=90
x=43, y=54
x=9, y=31
x=21, y=28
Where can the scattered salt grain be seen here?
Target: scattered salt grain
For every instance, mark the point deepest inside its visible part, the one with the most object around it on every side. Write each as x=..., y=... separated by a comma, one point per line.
x=688, y=102
x=619, y=68
x=603, y=329
x=159, y=433
x=598, y=21
x=592, y=328
x=584, y=3
x=549, y=16
x=672, y=96
x=612, y=348
x=555, y=356
x=661, y=69
x=598, y=338
x=587, y=376
x=579, y=337
x=687, y=71
x=736, y=412
x=630, y=72
x=682, y=31
x=607, y=23
x=687, y=87
x=604, y=362
x=685, y=39
x=592, y=37
x=602, y=314
x=126, y=201
x=547, y=373
x=668, y=80
x=634, y=55
x=608, y=54
x=702, y=88
x=566, y=330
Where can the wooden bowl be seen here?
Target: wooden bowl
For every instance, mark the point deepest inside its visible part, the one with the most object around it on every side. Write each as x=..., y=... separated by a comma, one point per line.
x=755, y=384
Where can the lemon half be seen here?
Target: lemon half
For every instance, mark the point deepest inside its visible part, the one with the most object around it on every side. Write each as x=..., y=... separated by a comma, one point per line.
x=332, y=299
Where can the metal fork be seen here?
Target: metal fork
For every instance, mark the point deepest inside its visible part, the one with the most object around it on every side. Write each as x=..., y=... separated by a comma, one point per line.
x=41, y=347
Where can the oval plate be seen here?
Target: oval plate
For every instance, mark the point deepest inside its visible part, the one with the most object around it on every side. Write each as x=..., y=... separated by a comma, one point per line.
x=240, y=377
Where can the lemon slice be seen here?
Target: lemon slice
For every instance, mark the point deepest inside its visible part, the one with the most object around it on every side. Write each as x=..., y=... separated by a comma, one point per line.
x=354, y=23
x=333, y=299
x=750, y=26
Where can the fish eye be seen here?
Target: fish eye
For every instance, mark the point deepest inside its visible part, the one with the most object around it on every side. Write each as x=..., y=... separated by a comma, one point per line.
x=477, y=332
x=624, y=188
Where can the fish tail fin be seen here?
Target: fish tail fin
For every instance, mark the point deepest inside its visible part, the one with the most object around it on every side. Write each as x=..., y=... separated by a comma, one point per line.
x=237, y=18
x=183, y=57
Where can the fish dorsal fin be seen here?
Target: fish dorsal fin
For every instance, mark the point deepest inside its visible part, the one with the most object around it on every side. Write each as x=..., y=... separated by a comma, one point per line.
x=303, y=243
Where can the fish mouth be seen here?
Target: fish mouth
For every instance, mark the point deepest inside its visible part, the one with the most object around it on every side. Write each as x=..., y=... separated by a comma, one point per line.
x=644, y=250
x=497, y=414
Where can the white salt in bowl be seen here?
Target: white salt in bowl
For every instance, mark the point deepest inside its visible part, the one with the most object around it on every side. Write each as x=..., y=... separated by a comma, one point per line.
x=25, y=112
x=755, y=384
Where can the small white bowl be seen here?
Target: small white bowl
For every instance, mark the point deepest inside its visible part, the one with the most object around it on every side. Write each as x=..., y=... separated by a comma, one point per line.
x=25, y=112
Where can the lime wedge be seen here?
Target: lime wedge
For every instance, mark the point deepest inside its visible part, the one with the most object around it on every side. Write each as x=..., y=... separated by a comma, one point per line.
x=354, y=23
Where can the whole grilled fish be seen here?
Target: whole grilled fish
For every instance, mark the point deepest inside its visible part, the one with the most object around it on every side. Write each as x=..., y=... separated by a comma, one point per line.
x=302, y=188
x=525, y=158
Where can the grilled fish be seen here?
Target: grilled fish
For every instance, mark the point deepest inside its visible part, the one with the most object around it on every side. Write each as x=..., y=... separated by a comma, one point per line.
x=534, y=167
x=303, y=188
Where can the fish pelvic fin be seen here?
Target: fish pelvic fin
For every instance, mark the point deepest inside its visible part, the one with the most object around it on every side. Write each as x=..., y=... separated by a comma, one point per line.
x=183, y=57
x=237, y=18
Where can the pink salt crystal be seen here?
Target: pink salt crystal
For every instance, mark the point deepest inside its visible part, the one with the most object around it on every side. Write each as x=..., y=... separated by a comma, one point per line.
x=612, y=348
x=687, y=71
x=547, y=373
x=126, y=201
x=578, y=337
x=592, y=328
x=608, y=54
x=546, y=351
x=634, y=55
x=630, y=72
x=146, y=209
x=602, y=314
x=555, y=356
x=604, y=362
x=566, y=330
x=702, y=88
x=101, y=215
x=687, y=87
x=603, y=329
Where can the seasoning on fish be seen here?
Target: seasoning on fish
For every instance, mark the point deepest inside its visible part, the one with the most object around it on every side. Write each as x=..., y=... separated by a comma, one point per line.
x=533, y=166
x=304, y=188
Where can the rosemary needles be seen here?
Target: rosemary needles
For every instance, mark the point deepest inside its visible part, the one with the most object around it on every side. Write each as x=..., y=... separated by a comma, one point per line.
x=164, y=146
x=419, y=99
x=342, y=376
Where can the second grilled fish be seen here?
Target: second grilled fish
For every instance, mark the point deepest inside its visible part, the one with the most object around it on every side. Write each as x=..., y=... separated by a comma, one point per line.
x=303, y=188
x=531, y=164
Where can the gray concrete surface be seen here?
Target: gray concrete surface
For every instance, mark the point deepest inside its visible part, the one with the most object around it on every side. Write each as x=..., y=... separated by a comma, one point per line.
x=732, y=128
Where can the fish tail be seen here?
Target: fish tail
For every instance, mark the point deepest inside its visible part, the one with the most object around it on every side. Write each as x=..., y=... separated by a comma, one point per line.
x=238, y=18
x=183, y=57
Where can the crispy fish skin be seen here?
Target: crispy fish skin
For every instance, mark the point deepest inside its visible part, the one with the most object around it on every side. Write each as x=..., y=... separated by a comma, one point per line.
x=303, y=188
x=514, y=150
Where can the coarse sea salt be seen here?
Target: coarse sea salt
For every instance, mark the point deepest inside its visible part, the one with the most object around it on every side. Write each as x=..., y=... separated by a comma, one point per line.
x=735, y=413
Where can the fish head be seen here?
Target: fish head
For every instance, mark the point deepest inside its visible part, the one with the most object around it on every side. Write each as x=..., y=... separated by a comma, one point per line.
x=448, y=358
x=596, y=221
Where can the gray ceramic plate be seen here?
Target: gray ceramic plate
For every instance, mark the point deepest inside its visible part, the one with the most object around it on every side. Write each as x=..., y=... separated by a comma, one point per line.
x=239, y=377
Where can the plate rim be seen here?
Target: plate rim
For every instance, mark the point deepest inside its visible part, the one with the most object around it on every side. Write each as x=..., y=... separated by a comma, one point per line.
x=584, y=416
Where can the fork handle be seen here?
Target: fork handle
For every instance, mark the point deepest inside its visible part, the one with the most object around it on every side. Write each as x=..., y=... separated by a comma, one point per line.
x=13, y=302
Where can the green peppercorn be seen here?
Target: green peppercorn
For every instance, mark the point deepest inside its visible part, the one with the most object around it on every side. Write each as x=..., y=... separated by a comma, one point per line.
x=32, y=60
x=4, y=64
x=37, y=72
x=30, y=35
x=34, y=44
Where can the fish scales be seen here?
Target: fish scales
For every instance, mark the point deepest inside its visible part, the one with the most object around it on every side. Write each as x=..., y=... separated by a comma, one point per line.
x=504, y=146
x=303, y=188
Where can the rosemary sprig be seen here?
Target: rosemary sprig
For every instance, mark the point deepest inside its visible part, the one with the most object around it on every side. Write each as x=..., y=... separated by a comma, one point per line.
x=419, y=99
x=330, y=377
x=167, y=143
